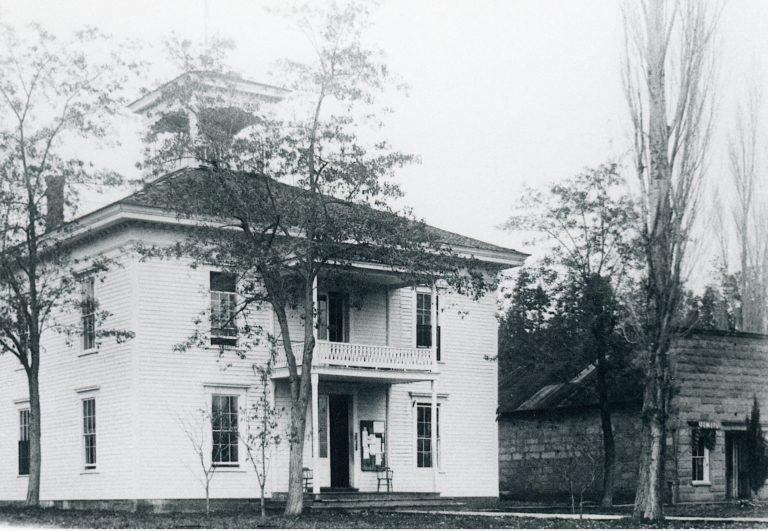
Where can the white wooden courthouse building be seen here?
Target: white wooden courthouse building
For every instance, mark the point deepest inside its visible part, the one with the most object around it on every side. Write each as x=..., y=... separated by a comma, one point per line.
x=401, y=378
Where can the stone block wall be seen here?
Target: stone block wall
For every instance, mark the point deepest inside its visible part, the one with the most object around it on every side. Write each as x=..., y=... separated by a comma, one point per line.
x=533, y=449
x=717, y=376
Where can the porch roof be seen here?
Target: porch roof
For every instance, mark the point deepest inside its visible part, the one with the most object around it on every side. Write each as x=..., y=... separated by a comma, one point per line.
x=360, y=374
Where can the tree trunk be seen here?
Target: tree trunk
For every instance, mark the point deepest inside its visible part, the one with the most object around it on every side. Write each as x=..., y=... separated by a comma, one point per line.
x=263, y=505
x=300, y=387
x=295, y=501
x=263, y=481
x=663, y=280
x=207, y=498
x=648, y=502
x=35, y=455
x=609, y=445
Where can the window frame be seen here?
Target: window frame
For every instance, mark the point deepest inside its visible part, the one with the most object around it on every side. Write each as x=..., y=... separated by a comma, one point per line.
x=419, y=313
x=703, y=457
x=416, y=423
x=222, y=339
x=89, y=438
x=230, y=444
x=24, y=417
x=88, y=314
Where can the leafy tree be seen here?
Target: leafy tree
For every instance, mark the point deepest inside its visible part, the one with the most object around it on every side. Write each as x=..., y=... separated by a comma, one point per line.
x=589, y=224
x=51, y=90
x=277, y=239
x=757, y=460
x=711, y=310
x=524, y=333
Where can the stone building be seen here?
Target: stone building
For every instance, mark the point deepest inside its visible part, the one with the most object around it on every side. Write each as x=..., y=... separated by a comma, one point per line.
x=716, y=376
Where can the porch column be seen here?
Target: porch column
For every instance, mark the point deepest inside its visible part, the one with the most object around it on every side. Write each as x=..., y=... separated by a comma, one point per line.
x=387, y=440
x=433, y=434
x=315, y=435
x=433, y=388
x=433, y=322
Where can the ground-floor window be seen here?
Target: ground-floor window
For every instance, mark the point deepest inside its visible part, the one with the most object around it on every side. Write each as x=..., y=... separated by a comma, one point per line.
x=424, y=454
x=224, y=426
x=24, y=442
x=701, y=441
x=89, y=432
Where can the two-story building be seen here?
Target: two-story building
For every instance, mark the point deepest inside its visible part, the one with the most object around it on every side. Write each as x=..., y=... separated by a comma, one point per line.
x=401, y=378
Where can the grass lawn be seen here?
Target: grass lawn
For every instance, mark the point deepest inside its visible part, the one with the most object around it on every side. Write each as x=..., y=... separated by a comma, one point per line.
x=16, y=516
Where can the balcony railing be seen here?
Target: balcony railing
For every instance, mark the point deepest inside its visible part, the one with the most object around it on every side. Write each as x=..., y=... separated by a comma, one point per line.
x=352, y=355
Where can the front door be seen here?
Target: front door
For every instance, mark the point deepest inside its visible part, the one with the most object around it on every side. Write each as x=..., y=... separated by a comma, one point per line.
x=736, y=479
x=338, y=409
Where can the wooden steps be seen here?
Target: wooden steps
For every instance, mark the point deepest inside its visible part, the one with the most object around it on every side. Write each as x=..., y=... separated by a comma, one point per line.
x=348, y=499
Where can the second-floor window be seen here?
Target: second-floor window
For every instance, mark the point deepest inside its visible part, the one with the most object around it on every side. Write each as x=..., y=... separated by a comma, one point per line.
x=223, y=308
x=88, y=309
x=424, y=320
x=24, y=442
x=224, y=430
x=89, y=432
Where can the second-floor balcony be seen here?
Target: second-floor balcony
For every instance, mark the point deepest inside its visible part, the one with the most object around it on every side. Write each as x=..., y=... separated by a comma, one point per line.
x=368, y=327
x=356, y=356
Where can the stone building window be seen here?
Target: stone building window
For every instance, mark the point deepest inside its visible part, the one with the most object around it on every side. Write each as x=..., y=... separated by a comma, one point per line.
x=702, y=441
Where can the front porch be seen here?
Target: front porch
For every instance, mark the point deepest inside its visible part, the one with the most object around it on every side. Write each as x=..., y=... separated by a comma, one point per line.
x=371, y=333
x=357, y=432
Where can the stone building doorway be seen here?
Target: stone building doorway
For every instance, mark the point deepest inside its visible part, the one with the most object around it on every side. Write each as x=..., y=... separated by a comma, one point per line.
x=736, y=479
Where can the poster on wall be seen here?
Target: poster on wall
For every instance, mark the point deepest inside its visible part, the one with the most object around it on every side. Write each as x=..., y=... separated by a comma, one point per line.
x=372, y=444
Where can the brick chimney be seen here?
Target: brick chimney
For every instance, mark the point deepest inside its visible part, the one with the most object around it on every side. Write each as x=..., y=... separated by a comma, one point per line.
x=54, y=199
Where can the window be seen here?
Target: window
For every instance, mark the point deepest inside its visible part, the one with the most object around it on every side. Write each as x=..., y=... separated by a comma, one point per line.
x=88, y=309
x=702, y=440
x=424, y=435
x=89, y=432
x=223, y=309
x=24, y=442
x=424, y=320
x=224, y=426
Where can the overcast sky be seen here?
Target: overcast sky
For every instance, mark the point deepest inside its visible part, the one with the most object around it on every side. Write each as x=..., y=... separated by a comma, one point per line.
x=503, y=93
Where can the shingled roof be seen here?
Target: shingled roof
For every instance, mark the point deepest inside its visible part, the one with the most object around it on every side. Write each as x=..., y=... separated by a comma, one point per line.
x=151, y=195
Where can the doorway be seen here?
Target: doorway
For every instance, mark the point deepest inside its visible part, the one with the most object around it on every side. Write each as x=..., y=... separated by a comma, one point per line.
x=338, y=416
x=333, y=317
x=736, y=478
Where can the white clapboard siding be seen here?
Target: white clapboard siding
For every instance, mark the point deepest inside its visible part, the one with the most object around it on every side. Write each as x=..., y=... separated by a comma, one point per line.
x=63, y=372
x=145, y=386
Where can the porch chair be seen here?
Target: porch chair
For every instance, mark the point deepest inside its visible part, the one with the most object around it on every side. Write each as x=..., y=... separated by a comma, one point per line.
x=384, y=473
x=306, y=474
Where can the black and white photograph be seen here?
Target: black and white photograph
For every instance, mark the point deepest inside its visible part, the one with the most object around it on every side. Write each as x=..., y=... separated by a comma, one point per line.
x=354, y=264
